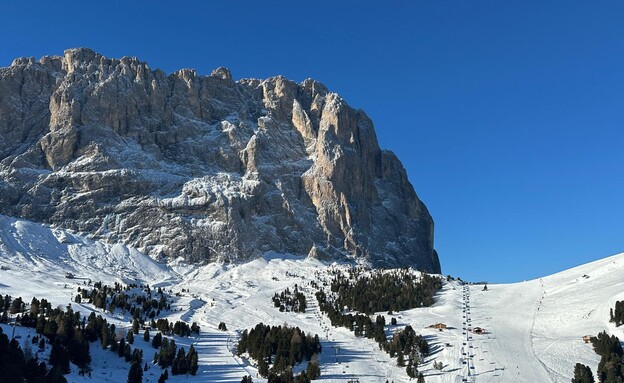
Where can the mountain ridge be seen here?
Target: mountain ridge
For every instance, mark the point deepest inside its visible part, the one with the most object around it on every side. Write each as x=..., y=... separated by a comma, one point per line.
x=203, y=166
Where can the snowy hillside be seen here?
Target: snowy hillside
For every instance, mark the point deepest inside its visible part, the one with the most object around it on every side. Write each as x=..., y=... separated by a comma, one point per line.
x=533, y=330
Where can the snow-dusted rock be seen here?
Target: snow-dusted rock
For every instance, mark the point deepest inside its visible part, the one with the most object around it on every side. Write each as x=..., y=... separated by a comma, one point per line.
x=202, y=166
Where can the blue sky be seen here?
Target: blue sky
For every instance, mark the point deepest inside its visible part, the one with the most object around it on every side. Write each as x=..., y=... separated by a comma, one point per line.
x=507, y=115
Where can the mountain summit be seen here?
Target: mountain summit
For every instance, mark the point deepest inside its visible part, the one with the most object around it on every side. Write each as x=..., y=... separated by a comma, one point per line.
x=203, y=167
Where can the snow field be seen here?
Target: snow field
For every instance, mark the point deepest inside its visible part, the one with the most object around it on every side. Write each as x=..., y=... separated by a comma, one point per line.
x=533, y=329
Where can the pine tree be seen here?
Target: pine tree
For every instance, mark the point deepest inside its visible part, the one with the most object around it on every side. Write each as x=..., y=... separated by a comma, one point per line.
x=400, y=359
x=137, y=355
x=302, y=378
x=40, y=324
x=32, y=372
x=55, y=375
x=313, y=371
x=34, y=306
x=135, y=326
x=11, y=360
x=78, y=349
x=121, y=348
x=195, y=328
x=174, y=367
x=421, y=378
x=128, y=353
x=163, y=357
x=135, y=375
x=59, y=357
x=157, y=340
x=411, y=370
x=181, y=362
x=130, y=337
x=193, y=361
x=50, y=330
x=582, y=374
x=263, y=368
x=170, y=352
x=146, y=335
x=17, y=306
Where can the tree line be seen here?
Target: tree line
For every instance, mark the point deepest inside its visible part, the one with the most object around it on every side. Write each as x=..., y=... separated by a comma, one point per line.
x=278, y=348
x=408, y=347
x=379, y=290
x=17, y=367
x=287, y=300
x=178, y=328
x=169, y=355
x=69, y=335
x=140, y=301
x=611, y=366
x=617, y=314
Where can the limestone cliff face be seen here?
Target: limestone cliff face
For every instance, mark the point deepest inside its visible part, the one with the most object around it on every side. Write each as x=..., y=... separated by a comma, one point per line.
x=203, y=167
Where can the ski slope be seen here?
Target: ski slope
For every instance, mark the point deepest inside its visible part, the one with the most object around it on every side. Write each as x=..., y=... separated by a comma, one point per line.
x=533, y=329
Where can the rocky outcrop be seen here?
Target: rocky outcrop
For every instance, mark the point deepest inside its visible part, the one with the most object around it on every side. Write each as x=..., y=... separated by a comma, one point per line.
x=202, y=167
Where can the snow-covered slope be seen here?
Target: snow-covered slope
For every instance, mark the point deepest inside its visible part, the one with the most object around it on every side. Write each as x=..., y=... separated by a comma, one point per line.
x=534, y=329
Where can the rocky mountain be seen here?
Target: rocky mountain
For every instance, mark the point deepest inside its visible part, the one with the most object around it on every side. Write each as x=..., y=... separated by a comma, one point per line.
x=202, y=167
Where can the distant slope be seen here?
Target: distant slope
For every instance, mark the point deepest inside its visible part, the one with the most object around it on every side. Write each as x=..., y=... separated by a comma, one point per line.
x=537, y=326
x=39, y=255
x=576, y=302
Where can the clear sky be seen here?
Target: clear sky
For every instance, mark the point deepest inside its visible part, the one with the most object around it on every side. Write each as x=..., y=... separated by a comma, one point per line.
x=507, y=115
